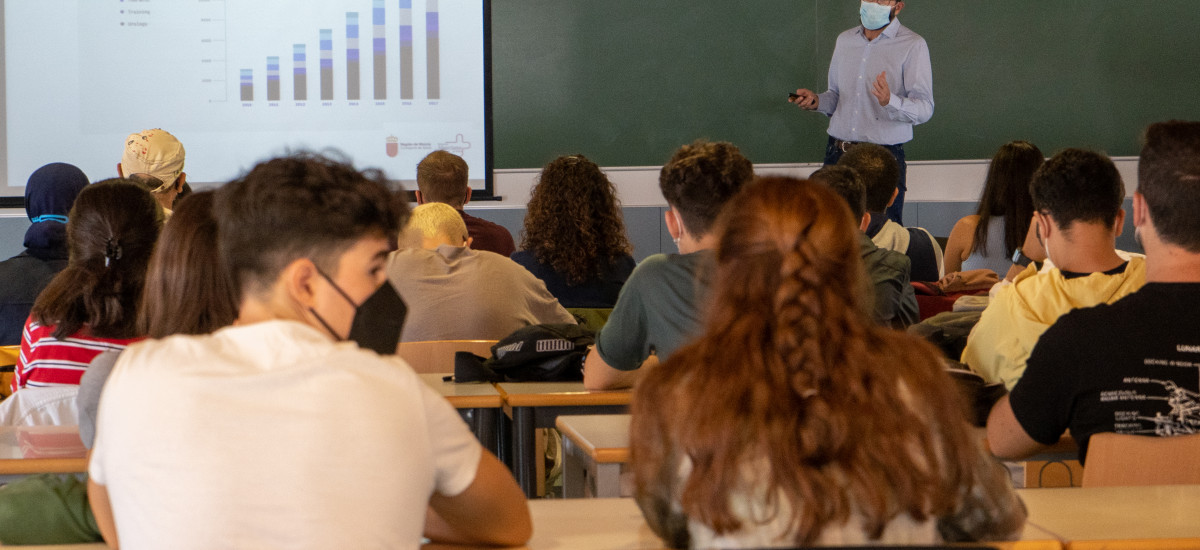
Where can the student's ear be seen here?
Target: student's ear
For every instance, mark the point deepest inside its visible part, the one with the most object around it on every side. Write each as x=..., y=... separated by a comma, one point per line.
x=467, y=243
x=895, y=193
x=120, y=172
x=180, y=182
x=866, y=221
x=468, y=197
x=420, y=199
x=298, y=280
x=1119, y=223
x=1141, y=214
x=672, y=224
x=1045, y=225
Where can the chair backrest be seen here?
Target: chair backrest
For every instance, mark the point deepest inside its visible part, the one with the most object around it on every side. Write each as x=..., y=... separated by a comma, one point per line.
x=52, y=406
x=1115, y=460
x=437, y=356
x=8, y=358
x=592, y=318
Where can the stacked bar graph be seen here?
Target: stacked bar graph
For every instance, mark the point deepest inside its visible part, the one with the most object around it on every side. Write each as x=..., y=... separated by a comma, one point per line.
x=406, y=50
x=272, y=79
x=431, y=41
x=299, y=72
x=352, y=73
x=403, y=19
x=379, y=48
x=247, y=84
x=326, y=64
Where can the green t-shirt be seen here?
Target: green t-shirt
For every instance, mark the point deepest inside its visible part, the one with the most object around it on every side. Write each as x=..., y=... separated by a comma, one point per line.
x=658, y=310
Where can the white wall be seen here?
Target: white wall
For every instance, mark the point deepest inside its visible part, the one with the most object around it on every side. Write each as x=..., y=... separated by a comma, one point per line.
x=928, y=181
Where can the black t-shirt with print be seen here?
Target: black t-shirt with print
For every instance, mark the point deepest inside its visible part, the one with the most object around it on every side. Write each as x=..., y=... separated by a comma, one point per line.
x=1132, y=367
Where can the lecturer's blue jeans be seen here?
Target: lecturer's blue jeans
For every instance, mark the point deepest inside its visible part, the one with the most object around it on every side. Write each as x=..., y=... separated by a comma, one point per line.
x=895, y=212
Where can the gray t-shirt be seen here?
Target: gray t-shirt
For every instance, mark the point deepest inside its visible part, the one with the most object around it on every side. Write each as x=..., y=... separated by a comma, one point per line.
x=88, y=398
x=659, y=309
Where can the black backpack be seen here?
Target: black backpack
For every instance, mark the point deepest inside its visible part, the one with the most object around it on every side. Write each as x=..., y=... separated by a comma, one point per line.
x=536, y=353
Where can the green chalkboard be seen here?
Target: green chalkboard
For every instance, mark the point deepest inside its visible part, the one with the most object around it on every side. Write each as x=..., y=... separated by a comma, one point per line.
x=627, y=81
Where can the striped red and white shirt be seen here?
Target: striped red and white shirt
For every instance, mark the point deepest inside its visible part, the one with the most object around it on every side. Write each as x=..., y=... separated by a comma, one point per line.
x=48, y=361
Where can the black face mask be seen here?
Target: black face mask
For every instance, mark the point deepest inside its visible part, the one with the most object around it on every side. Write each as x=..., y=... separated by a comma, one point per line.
x=377, y=321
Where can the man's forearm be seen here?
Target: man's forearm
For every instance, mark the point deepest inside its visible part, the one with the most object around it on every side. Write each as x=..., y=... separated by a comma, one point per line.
x=599, y=375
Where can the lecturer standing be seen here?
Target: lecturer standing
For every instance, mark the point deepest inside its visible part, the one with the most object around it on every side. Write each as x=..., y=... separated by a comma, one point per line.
x=880, y=86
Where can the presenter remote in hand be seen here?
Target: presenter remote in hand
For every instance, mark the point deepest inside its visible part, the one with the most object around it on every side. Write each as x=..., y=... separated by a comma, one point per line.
x=880, y=86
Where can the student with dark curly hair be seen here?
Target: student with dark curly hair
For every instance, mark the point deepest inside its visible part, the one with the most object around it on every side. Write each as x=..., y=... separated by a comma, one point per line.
x=574, y=238
x=91, y=306
x=793, y=419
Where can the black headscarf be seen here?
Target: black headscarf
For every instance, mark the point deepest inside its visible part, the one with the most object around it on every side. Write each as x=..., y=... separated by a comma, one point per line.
x=48, y=198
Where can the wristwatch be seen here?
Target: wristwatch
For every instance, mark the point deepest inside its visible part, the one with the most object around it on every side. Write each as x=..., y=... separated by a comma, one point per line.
x=1021, y=259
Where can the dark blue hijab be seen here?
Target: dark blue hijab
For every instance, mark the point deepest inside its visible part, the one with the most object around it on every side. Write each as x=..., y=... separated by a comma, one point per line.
x=48, y=198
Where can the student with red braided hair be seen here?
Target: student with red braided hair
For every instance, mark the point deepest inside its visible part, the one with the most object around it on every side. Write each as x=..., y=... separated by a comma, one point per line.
x=793, y=419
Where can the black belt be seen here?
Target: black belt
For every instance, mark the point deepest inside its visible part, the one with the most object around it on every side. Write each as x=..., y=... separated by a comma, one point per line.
x=845, y=146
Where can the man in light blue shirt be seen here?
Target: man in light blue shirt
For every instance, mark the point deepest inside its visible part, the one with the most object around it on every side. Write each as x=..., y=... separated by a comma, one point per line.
x=880, y=86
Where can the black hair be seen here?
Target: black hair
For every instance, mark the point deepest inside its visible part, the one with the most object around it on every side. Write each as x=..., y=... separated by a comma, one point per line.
x=1006, y=194
x=302, y=206
x=1169, y=179
x=1078, y=185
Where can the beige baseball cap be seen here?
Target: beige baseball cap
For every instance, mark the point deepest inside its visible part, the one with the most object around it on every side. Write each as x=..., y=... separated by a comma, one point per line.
x=156, y=153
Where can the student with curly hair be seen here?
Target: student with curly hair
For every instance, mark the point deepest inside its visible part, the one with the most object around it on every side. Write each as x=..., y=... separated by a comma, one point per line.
x=574, y=238
x=793, y=419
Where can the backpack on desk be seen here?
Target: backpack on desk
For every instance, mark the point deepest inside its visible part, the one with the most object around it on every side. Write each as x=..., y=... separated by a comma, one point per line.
x=536, y=353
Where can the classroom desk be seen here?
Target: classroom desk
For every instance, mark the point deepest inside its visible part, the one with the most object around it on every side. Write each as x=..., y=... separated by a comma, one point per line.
x=1095, y=517
x=533, y=405
x=28, y=450
x=594, y=449
x=479, y=404
x=617, y=524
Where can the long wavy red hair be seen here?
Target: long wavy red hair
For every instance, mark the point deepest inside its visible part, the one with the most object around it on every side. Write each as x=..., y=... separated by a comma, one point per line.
x=791, y=373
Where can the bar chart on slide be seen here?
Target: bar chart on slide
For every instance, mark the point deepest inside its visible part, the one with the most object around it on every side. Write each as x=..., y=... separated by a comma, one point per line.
x=400, y=58
x=385, y=81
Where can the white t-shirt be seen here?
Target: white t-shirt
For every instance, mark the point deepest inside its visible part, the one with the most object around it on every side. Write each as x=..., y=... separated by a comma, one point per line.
x=272, y=436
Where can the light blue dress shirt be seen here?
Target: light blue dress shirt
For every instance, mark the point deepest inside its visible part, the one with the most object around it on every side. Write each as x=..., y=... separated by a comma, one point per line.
x=856, y=114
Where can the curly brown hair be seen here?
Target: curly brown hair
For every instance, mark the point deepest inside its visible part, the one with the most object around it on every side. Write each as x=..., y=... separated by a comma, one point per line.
x=836, y=415
x=574, y=222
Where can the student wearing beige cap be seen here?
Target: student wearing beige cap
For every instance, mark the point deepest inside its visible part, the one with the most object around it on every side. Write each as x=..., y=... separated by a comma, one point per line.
x=154, y=158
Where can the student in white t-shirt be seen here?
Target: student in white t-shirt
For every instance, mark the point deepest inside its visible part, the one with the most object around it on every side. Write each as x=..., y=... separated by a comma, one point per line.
x=276, y=432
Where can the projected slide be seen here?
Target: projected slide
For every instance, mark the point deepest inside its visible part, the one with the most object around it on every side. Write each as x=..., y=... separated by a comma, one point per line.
x=384, y=81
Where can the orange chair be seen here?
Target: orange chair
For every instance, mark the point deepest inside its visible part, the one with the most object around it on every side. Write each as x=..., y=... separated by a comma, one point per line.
x=8, y=358
x=437, y=356
x=1116, y=460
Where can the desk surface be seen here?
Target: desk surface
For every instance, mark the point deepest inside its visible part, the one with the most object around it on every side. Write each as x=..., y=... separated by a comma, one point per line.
x=604, y=437
x=617, y=524
x=555, y=394
x=472, y=395
x=1116, y=513
x=41, y=449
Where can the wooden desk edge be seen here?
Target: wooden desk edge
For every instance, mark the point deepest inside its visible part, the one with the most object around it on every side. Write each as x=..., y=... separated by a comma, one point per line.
x=603, y=455
x=475, y=401
x=23, y=466
x=568, y=399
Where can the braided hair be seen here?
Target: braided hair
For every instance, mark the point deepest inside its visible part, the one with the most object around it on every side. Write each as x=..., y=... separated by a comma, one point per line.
x=792, y=393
